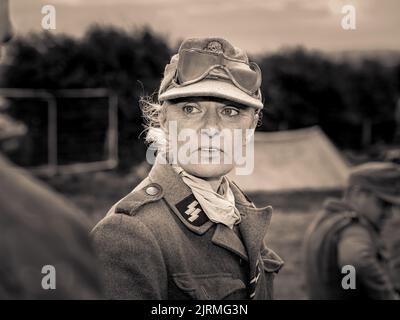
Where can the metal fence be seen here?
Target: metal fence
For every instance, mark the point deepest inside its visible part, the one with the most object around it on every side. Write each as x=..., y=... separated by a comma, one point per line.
x=53, y=167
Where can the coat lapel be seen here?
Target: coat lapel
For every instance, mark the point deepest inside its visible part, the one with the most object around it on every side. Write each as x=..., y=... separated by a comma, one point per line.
x=254, y=224
x=253, y=228
x=227, y=239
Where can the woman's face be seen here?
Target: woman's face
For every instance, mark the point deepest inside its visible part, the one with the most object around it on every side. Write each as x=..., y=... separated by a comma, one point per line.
x=207, y=133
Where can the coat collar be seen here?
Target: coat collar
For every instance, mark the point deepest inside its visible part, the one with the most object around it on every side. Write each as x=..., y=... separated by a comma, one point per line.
x=180, y=199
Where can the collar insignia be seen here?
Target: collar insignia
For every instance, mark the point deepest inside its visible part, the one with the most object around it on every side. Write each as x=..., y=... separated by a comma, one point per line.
x=191, y=211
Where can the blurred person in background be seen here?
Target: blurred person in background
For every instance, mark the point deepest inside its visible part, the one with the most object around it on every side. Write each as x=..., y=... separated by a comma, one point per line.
x=347, y=233
x=39, y=230
x=395, y=258
x=187, y=231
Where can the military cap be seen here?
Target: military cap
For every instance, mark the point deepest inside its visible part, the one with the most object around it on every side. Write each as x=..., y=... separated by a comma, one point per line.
x=381, y=178
x=212, y=67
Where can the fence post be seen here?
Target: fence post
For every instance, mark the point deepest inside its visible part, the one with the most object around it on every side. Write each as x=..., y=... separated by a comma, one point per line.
x=52, y=135
x=366, y=132
x=113, y=128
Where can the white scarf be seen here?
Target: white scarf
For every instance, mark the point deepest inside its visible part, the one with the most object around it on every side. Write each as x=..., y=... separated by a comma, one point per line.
x=218, y=208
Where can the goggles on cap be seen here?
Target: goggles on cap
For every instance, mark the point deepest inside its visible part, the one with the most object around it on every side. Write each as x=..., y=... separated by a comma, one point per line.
x=195, y=65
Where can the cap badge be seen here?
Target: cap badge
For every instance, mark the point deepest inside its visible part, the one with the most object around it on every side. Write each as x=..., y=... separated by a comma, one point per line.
x=215, y=47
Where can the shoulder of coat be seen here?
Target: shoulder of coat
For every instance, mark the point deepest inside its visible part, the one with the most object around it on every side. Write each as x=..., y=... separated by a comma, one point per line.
x=146, y=192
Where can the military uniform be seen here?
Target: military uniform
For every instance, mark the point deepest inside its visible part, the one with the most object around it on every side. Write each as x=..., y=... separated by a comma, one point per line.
x=157, y=243
x=340, y=236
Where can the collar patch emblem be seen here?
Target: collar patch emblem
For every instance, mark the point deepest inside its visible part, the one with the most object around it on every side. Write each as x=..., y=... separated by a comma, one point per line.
x=191, y=211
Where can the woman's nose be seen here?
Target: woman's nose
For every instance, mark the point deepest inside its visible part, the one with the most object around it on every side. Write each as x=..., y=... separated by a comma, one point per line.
x=210, y=131
x=211, y=123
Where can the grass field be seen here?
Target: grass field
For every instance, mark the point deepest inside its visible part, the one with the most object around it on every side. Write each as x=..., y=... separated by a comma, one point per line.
x=96, y=193
x=285, y=237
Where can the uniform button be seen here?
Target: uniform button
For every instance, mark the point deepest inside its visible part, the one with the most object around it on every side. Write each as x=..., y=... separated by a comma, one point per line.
x=152, y=190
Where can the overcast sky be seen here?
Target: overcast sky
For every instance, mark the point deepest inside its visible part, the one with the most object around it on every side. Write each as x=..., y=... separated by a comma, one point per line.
x=256, y=25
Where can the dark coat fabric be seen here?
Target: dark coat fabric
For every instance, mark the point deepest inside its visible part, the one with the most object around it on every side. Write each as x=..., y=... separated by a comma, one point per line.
x=38, y=228
x=340, y=236
x=157, y=243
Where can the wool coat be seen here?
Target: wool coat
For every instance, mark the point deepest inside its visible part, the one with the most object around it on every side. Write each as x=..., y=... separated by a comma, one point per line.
x=157, y=243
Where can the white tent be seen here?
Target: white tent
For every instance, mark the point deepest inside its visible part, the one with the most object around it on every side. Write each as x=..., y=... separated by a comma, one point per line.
x=302, y=159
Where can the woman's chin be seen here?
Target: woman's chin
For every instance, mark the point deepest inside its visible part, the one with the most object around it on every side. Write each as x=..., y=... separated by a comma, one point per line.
x=208, y=171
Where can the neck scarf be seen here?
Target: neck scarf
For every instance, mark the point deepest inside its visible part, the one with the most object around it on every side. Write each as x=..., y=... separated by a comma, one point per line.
x=218, y=208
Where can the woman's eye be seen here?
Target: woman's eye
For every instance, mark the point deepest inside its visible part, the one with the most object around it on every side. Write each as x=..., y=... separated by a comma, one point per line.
x=230, y=112
x=190, y=109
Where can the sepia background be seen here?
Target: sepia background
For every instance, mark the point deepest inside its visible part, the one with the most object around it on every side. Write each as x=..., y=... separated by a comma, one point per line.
x=69, y=96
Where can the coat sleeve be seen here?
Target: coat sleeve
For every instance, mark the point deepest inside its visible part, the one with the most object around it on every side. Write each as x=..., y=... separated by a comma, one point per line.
x=356, y=248
x=132, y=262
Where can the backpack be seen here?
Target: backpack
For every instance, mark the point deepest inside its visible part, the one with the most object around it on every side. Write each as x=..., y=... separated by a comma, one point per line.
x=323, y=276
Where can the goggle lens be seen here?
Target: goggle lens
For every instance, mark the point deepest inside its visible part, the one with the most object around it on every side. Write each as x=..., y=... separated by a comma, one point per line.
x=195, y=65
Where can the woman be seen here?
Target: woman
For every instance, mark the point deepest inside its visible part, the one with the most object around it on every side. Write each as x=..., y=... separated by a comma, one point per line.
x=187, y=231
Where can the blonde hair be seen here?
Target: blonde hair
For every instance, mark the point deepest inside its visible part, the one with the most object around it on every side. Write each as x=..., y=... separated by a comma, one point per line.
x=152, y=114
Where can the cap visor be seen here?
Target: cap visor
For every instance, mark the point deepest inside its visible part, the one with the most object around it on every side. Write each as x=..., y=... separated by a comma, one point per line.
x=212, y=88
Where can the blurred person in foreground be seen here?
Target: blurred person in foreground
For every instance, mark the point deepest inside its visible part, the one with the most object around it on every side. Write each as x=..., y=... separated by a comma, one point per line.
x=39, y=229
x=394, y=156
x=347, y=233
x=395, y=255
x=187, y=231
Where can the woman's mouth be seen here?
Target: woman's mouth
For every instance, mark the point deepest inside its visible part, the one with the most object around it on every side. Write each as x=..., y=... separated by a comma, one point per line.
x=209, y=152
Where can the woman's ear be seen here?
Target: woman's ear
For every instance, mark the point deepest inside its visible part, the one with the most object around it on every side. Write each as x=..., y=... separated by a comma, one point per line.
x=163, y=118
